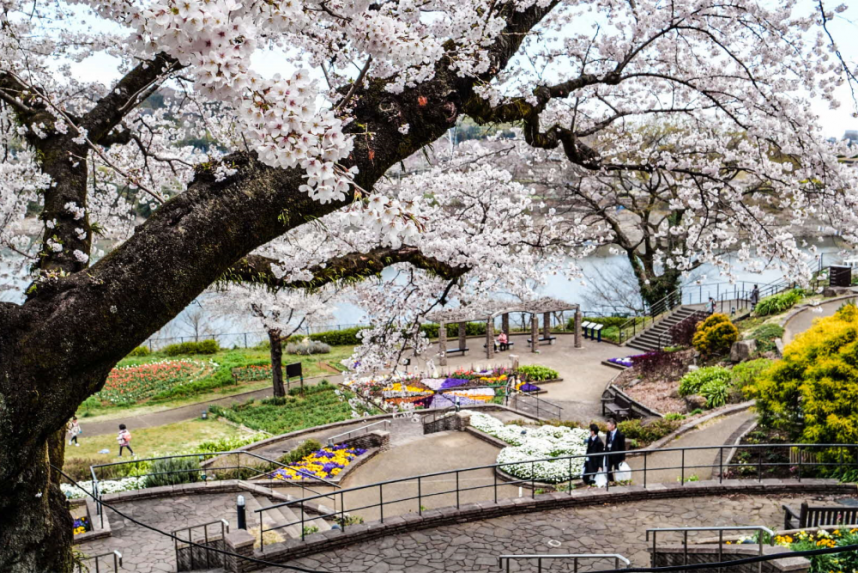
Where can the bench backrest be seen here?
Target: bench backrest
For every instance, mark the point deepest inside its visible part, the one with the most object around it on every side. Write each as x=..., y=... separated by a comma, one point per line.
x=832, y=515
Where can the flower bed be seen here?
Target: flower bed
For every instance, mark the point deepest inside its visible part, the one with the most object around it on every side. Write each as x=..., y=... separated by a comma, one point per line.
x=81, y=525
x=468, y=387
x=627, y=361
x=536, y=443
x=252, y=373
x=326, y=463
x=104, y=487
x=845, y=562
x=129, y=384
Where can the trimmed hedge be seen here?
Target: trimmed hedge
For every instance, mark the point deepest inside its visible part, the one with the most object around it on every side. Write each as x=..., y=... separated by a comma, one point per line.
x=140, y=351
x=202, y=347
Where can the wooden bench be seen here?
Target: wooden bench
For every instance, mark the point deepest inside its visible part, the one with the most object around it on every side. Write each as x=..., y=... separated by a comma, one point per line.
x=618, y=406
x=456, y=351
x=815, y=516
x=508, y=345
x=542, y=340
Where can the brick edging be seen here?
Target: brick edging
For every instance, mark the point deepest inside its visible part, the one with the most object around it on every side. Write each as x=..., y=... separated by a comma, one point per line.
x=335, y=539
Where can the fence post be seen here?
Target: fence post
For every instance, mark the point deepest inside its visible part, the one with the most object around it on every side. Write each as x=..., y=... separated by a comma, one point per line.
x=799, y=463
x=381, y=500
x=720, y=466
x=682, y=478
x=645, y=457
x=457, y=489
x=419, y=497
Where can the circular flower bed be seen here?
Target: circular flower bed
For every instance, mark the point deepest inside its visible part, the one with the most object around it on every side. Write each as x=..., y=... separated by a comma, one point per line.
x=325, y=463
x=537, y=443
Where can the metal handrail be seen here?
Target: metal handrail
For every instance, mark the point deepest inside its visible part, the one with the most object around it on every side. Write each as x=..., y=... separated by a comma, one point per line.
x=117, y=561
x=573, y=556
x=224, y=529
x=720, y=529
x=538, y=401
x=648, y=467
x=365, y=428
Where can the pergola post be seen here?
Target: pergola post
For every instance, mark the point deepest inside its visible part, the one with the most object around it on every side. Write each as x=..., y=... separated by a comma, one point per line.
x=534, y=332
x=490, y=337
x=505, y=324
x=578, y=328
x=463, y=330
x=442, y=342
x=546, y=325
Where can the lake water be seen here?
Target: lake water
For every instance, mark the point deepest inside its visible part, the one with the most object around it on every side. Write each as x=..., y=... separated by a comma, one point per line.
x=560, y=287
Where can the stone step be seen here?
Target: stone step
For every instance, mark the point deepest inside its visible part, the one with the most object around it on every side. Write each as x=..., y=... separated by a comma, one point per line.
x=277, y=518
x=293, y=515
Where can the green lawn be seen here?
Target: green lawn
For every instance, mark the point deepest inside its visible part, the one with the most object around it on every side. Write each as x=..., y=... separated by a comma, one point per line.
x=217, y=382
x=319, y=405
x=149, y=442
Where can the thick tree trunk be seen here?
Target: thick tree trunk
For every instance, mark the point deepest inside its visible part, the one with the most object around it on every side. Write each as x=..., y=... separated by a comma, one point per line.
x=277, y=363
x=59, y=346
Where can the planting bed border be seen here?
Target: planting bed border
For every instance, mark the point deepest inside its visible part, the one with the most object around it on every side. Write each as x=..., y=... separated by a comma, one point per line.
x=336, y=539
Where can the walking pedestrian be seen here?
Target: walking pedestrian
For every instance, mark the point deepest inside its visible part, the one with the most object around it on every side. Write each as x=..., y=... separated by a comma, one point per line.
x=124, y=439
x=710, y=306
x=755, y=296
x=594, y=463
x=74, y=431
x=615, y=441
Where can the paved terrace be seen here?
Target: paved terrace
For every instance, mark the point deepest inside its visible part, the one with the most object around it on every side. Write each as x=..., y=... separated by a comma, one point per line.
x=459, y=548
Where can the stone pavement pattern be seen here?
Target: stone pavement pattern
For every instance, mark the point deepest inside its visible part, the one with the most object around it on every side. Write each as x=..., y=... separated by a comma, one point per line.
x=465, y=547
x=607, y=529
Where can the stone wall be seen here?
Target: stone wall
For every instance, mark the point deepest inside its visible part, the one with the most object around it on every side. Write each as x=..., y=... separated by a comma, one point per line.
x=377, y=439
x=456, y=422
x=240, y=542
x=671, y=555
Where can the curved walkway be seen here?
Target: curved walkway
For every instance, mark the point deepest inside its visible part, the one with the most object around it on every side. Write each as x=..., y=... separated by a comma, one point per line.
x=803, y=318
x=472, y=547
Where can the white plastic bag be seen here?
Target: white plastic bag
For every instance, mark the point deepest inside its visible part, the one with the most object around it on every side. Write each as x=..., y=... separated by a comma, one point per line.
x=623, y=473
x=601, y=479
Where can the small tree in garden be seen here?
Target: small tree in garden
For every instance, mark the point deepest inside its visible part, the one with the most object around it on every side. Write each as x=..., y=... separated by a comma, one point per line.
x=812, y=394
x=282, y=314
x=715, y=335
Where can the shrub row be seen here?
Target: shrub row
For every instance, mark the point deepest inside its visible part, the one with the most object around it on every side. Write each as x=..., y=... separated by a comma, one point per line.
x=778, y=303
x=201, y=347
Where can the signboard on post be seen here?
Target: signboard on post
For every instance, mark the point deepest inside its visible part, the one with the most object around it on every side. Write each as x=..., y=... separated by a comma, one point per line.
x=295, y=371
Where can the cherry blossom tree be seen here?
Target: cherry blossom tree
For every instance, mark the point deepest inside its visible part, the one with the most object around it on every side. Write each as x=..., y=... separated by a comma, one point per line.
x=364, y=86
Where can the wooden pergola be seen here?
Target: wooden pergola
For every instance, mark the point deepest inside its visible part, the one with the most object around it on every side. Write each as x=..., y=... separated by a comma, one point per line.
x=488, y=311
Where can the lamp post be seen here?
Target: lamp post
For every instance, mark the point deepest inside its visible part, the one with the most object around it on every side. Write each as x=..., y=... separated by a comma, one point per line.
x=242, y=518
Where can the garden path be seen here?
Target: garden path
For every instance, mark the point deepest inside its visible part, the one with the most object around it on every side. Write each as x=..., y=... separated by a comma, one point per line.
x=467, y=547
x=803, y=320
x=702, y=463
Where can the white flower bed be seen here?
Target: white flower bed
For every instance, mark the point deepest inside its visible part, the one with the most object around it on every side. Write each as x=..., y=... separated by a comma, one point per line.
x=104, y=487
x=537, y=443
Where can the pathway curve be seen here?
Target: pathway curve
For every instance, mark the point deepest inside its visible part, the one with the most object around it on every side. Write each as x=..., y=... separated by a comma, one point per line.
x=700, y=463
x=803, y=320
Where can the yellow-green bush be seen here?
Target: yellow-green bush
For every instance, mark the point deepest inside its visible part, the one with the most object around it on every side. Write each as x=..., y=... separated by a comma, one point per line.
x=715, y=335
x=812, y=394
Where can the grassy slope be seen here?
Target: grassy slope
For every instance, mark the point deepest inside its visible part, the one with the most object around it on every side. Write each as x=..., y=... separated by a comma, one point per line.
x=149, y=442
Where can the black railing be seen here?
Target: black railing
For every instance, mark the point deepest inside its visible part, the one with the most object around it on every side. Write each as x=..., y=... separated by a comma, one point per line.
x=193, y=553
x=209, y=466
x=100, y=562
x=405, y=495
x=729, y=298
x=529, y=402
x=761, y=532
x=573, y=557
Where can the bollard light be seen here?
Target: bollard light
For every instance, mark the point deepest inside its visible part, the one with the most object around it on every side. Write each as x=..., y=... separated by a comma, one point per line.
x=242, y=519
x=205, y=415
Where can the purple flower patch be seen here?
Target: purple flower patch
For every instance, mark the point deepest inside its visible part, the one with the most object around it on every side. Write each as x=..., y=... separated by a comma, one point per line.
x=528, y=387
x=453, y=383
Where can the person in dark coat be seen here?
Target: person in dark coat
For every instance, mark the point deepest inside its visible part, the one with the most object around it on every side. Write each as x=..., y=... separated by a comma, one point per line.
x=594, y=463
x=615, y=441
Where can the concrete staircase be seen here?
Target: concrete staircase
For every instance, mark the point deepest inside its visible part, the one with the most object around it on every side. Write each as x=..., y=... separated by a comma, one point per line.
x=288, y=516
x=658, y=335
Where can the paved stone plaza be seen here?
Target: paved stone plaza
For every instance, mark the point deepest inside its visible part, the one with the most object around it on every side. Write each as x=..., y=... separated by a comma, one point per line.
x=461, y=548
